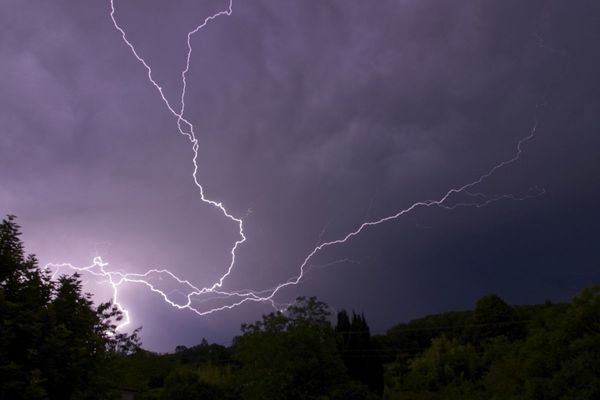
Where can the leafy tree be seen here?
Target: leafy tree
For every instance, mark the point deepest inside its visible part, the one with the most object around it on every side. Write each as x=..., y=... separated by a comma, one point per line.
x=406, y=340
x=359, y=352
x=54, y=344
x=445, y=363
x=290, y=356
x=556, y=357
x=492, y=317
x=561, y=356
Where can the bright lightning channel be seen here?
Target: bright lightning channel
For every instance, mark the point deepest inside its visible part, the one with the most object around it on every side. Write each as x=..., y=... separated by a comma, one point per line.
x=196, y=296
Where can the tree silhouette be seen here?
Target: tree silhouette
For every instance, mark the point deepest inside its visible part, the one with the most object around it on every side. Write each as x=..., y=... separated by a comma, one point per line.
x=291, y=355
x=54, y=344
x=493, y=317
x=359, y=351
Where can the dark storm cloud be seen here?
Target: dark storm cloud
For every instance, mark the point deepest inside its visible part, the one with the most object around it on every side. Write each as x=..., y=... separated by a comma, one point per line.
x=311, y=115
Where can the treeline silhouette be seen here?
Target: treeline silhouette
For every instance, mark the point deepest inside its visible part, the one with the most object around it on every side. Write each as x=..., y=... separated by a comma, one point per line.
x=54, y=344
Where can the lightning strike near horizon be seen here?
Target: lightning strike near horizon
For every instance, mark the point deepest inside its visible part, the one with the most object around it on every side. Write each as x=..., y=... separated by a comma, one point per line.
x=192, y=297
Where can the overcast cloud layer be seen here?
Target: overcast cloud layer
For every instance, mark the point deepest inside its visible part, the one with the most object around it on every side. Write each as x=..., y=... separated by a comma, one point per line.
x=312, y=116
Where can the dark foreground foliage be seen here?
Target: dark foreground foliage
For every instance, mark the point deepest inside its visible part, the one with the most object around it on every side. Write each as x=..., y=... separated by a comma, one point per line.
x=549, y=351
x=296, y=354
x=55, y=345
x=496, y=351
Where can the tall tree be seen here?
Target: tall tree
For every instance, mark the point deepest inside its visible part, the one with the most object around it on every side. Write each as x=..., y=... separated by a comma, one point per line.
x=289, y=355
x=54, y=343
x=359, y=351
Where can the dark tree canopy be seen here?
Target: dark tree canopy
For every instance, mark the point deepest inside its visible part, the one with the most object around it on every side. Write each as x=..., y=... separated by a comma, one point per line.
x=529, y=352
x=492, y=317
x=294, y=355
x=359, y=351
x=54, y=343
x=297, y=354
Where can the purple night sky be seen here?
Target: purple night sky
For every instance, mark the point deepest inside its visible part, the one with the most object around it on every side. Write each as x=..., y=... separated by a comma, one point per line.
x=311, y=117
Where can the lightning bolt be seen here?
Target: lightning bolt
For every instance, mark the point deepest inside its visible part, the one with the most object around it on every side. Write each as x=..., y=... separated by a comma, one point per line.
x=97, y=268
x=195, y=297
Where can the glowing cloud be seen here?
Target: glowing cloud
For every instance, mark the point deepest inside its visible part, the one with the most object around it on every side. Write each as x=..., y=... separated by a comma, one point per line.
x=181, y=293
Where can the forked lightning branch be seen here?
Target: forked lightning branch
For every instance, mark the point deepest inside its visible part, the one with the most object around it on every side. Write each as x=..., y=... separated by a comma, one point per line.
x=195, y=295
